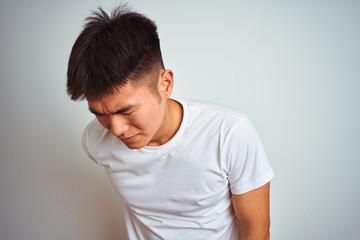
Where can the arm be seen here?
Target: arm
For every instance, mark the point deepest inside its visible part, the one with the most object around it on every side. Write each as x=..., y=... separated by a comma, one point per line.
x=253, y=211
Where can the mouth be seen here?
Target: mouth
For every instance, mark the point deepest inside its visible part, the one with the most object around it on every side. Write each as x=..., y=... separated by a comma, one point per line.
x=129, y=139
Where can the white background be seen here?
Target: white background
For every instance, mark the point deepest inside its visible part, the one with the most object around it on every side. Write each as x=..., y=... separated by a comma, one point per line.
x=291, y=66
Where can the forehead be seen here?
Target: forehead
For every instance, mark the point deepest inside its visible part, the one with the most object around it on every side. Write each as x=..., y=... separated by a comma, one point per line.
x=122, y=97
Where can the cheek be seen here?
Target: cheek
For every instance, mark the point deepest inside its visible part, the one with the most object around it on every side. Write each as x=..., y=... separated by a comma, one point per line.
x=149, y=120
x=143, y=121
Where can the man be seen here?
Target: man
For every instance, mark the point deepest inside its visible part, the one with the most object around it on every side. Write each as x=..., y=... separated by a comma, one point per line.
x=185, y=169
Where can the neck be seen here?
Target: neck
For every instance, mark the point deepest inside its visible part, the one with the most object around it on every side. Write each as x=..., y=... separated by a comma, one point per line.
x=172, y=121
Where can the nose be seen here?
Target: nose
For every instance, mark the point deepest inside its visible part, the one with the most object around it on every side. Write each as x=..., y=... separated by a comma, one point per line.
x=118, y=126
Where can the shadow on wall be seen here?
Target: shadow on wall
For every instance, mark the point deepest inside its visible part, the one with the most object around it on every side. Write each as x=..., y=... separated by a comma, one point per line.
x=73, y=202
x=94, y=202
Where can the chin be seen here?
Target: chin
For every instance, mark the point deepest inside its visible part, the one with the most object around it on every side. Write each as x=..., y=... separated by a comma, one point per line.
x=135, y=145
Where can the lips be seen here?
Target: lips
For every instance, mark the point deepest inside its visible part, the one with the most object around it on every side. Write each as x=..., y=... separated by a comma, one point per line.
x=129, y=139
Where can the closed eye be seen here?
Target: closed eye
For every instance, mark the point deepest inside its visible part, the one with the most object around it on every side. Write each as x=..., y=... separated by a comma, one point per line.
x=124, y=111
x=96, y=113
x=127, y=113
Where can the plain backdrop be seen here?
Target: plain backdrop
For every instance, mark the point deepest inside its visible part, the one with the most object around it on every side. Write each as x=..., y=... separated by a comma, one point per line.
x=291, y=66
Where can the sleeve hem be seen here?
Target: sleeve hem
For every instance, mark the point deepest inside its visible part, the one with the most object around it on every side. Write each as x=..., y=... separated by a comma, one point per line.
x=253, y=185
x=84, y=142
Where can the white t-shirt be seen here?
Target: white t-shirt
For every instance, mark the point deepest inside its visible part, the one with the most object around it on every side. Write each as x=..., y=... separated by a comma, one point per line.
x=182, y=189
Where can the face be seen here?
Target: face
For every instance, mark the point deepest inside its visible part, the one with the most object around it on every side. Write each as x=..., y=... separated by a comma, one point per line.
x=134, y=114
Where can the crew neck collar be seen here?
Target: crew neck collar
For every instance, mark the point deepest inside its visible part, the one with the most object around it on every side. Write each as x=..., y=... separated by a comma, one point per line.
x=175, y=139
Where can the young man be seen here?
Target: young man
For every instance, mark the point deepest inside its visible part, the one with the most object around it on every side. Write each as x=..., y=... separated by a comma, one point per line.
x=185, y=169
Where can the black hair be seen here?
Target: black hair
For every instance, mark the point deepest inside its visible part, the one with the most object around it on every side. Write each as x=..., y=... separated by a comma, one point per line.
x=110, y=51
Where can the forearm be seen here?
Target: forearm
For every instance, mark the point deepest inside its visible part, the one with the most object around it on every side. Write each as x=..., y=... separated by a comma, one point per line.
x=253, y=211
x=255, y=234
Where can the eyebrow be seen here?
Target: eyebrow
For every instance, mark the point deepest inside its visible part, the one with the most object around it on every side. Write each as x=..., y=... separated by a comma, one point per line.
x=121, y=110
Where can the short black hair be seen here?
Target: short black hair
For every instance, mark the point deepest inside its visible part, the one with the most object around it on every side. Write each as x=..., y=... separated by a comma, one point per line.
x=110, y=51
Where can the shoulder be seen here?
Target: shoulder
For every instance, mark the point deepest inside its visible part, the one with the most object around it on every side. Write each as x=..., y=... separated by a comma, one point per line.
x=207, y=121
x=94, y=130
x=214, y=113
x=96, y=139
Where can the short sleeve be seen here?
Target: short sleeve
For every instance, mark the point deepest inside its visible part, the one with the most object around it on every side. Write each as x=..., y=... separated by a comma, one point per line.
x=84, y=141
x=247, y=165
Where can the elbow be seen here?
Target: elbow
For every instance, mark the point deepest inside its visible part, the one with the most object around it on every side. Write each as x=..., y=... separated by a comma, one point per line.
x=259, y=230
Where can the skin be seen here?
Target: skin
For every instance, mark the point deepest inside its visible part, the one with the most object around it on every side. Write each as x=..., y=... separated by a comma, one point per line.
x=140, y=117
x=253, y=211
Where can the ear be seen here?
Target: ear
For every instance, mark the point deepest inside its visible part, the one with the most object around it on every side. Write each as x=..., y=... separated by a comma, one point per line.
x=166, y=83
